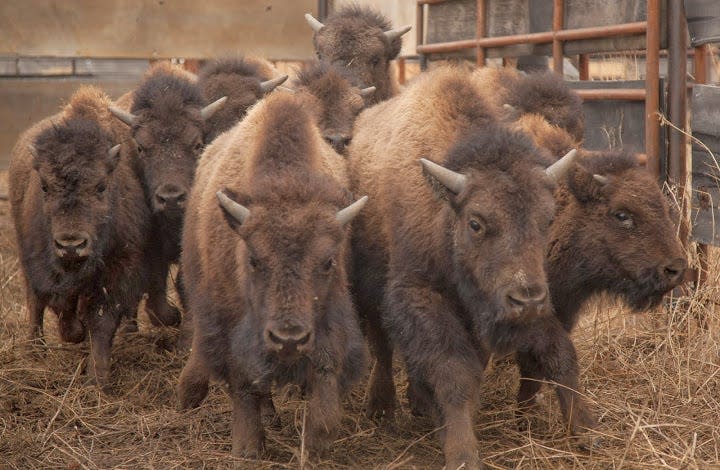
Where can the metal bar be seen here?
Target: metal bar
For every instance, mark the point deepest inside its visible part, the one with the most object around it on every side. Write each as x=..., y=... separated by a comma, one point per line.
x=624, y=94
x=430, y=2
x=419, y=33
x=401, y=70
x=323, y=9
x=557, y=46
x=700, y=70
x=480, y=31
x=537, y=38
x=584, y=66
x=652, y=87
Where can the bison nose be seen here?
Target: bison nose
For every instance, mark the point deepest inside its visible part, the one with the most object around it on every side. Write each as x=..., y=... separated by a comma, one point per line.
x=288, y=340
x=674, y=271
x=72, y=244
x=526, y=297
x=169, y=197
x=338, y=142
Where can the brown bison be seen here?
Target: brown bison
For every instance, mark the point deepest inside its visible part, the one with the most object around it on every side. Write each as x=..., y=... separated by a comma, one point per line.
x=81, y=223
x=167, y=117
x=264, y=252
x=360, y=40
x=450, y=261
x=243, y=81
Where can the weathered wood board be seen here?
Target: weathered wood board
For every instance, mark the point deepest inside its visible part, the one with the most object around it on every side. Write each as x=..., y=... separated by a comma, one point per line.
x=24, y=101
x=274, y=29
x=703, y=17
x=455, y=20
x=705, y=125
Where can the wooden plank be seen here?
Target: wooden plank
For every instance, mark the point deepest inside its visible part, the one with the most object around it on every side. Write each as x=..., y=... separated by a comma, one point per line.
x=705, y=202
x=156, y=28
x=703, y=18
x=25, y=101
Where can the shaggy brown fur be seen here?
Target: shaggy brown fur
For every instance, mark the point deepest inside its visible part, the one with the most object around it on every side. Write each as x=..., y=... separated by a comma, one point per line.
x=239, y=80
x=169, y=134
x=353, y=38
x=448, y=266
x=281, y=272
x=81, y=224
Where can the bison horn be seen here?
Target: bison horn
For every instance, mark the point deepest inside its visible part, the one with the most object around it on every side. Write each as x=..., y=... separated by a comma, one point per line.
x=268, y=86
x=314, y=23
x=452, y=180
x=344, y=216
x=396, y=33
x=601, y=179
x=367, y=91
x=557, y=170
x=509, y=108
x=128, y=118
x=236, y=211
x=112, y=153
x=210, y=109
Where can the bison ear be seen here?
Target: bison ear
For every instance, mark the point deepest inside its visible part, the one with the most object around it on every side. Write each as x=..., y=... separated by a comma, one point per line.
x=235, y=213
x=586, y=186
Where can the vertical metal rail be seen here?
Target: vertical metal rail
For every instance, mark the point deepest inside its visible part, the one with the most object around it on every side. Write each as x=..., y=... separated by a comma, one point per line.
x=652, y=87
x=557, y=44
x=419, y=22
x=584, y=66
x=480, y=31
x=700, y=70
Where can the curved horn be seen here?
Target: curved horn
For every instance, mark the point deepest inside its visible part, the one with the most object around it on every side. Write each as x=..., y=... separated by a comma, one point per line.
x=237, y=211
x=269, y=85
x=601, y=179
x=397, y=32
x=452, y=180
x=128, y=118
x=112, y=153
x=557, y=170
x=314, y=23
x=509, y=108
x=364, y=92
x=344, y=216
x=210, y=109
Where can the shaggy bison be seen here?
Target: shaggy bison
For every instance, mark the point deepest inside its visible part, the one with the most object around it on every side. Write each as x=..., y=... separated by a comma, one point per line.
x=81, y=223
x=360, y=40
x=167, y=117
x=456, y=252
x=264, y=253
x=243, y=81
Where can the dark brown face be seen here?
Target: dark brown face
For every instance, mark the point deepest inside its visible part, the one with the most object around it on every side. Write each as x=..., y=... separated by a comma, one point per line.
x=74, y=164
x=337, y=117
x=292, y=262
x=628, y=229
x=501, y=228
x=242, y=92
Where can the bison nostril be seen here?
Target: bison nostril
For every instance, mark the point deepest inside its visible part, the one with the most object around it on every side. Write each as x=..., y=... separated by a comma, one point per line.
x=274, y=338
x=304, y=340
x=527, y=296
x=675, y=269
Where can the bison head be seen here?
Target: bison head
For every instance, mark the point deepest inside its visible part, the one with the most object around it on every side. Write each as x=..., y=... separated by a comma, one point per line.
x=74, y=161
x=168, y=125
x=500, y=209
x=617, y=223
x=361, y=41
x=292, y=260
x=336, y=102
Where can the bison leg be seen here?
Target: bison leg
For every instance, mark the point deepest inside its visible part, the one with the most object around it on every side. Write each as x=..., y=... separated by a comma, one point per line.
x=194, y=382
x=71, y=328
x=437, y=347
x=248, y=437
x=324, y=413
x=36, y=309
x=269, y=413
x=420, y=397
x=381, y=388
x=161, y=313
x=551, y=355
x=102, y=323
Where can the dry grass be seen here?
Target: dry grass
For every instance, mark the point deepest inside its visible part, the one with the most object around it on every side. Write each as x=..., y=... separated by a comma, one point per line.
x=654, y=380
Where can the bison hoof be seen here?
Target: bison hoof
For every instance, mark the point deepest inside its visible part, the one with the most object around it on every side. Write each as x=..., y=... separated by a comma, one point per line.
x=248, y=450
x=73, y=332
x=380, y=411
x=190, y=396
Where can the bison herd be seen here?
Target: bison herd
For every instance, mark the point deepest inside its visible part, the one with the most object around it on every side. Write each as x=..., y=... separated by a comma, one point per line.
x=438, y=221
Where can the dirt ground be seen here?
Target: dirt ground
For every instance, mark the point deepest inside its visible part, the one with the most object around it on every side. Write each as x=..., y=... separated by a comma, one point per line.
x=653, y=379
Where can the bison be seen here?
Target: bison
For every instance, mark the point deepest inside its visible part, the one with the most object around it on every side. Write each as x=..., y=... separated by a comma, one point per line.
x=360, y=40
x=167, y=117
x=265, y=247
x=450, y=261
x=81, y=223
x=243, y=81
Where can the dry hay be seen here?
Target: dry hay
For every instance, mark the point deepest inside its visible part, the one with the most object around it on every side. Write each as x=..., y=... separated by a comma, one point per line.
x=653, y=379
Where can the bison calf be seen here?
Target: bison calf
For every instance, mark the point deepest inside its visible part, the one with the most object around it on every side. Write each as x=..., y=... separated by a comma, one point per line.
x=264, y=253
x=81, y=223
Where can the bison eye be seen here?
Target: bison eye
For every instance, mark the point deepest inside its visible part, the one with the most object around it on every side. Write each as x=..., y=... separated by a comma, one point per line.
x=328, y=265
x=198, y=147
x=624, y=218
x=475, y=225
x=254, y=263
x=374, y=61
x=100, y=188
